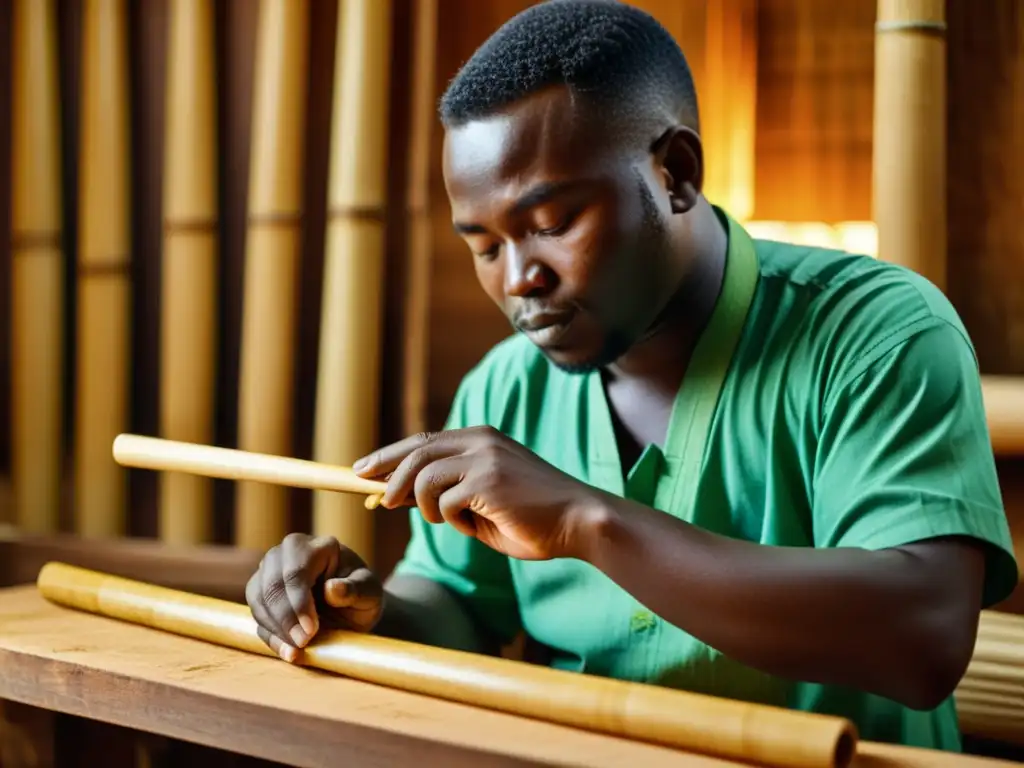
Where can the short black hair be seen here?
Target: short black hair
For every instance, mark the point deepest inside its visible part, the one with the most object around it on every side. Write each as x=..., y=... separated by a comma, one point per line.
x=604, y=51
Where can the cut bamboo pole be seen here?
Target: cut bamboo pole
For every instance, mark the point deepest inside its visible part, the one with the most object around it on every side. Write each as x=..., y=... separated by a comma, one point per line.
x=348, y=376
x=188, y=325
x=754, y=733
x=231, y=464
x=104, y=282
x=419, y=260
x=910, y=136
x=273, y=249
x=37, y=269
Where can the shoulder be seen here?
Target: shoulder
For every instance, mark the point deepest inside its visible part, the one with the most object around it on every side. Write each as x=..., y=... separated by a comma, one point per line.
x=847, y=311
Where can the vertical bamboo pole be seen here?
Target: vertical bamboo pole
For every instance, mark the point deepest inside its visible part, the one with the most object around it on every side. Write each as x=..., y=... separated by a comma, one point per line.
x=273, y=248
x=416, y=334
x=348, y=380
x=37, y=269
x=104, y=288
x=910, y=135
x=729, y=105
x=188, y=326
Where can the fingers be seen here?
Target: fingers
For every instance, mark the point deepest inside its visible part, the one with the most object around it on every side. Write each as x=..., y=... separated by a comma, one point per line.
x=280, y=593
x=433, y=480
x=360, y=594
x=452, y=441
x=455, y=508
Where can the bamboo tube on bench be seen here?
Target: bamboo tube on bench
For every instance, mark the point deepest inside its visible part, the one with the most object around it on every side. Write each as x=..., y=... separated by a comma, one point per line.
x=37, y=269
x=348, y=377
x=755, y=733
x=272, y=252
x=188, y=326
x=104, y=282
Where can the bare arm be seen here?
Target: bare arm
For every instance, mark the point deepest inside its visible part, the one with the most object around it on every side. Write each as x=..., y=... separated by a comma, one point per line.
x=897, y=622
x=423, y=611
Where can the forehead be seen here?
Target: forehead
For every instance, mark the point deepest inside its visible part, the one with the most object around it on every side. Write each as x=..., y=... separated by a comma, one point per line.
x=547, y=136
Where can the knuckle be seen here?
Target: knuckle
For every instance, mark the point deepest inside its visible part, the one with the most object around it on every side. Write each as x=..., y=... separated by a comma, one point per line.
x=294, y=540
x=293, y=577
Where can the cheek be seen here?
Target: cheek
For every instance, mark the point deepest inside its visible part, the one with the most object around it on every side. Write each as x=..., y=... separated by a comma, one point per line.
x=491, y=278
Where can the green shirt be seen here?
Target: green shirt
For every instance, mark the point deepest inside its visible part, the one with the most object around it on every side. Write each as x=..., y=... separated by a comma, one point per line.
x=833, y=401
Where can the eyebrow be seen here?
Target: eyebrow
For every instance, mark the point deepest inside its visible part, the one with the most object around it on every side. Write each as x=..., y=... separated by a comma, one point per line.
x=537, y=195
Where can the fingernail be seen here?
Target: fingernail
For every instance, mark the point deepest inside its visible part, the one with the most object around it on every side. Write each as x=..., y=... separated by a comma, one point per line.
x=288, y=653
x=308, y=625
x=360, y=464
x=298, y=636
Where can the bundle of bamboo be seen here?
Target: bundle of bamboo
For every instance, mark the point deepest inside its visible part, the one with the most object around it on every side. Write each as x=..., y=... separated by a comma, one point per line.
x=990, y=698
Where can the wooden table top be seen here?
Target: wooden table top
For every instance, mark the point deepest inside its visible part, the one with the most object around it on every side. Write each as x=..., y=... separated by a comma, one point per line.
x=103, y=669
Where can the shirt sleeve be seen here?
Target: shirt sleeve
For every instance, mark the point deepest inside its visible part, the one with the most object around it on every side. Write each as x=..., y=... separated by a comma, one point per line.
x=475, y=573
x=904, y=454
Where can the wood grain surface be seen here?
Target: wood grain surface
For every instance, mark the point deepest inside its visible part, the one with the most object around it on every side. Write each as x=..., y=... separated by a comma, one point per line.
x=126, y=675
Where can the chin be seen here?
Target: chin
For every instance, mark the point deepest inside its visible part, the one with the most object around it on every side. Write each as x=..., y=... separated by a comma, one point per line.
x=580, y=361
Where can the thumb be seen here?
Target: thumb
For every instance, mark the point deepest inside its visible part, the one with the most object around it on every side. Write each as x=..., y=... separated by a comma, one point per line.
x=360, y=589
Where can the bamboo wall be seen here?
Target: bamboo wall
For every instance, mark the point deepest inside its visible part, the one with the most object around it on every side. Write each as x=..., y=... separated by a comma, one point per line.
x=807, y=78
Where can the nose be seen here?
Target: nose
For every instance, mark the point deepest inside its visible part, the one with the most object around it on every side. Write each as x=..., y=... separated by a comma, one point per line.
x=525, y=275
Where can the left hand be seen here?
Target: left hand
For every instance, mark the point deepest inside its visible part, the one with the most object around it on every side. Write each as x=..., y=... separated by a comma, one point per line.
x=486, y=486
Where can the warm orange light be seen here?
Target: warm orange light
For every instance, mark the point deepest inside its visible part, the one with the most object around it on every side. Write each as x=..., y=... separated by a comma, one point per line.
x=852, y=236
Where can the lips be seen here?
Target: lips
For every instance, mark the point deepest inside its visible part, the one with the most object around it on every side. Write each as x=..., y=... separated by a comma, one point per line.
x=546, y=328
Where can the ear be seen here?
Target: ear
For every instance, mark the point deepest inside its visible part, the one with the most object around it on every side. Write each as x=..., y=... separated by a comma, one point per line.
x=679, y=158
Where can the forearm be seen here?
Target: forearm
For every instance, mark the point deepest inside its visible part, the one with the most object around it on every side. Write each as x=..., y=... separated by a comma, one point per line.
x=875, y=620
x=423, y=611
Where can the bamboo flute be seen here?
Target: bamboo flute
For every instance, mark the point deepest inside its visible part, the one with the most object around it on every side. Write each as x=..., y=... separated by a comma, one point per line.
x=232, y=464
x=37, y=269
x=272, y=252
x=348, y=374
x=909, y=161
x=419, y=255
x=762, y=735
x=104, y=282
x=188, y=325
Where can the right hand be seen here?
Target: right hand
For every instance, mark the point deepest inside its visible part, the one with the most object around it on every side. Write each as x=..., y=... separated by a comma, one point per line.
x=307, y=582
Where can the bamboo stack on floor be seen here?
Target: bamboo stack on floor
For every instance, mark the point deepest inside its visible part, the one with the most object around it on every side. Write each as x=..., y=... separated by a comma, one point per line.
x=104, y=282
x=348, y=377
x=272, y=252
x=990, y=698
x=37, y=269
x=188, y=323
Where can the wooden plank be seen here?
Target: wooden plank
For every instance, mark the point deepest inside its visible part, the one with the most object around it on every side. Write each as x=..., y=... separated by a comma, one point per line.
x=216, y=571
x=130, y=676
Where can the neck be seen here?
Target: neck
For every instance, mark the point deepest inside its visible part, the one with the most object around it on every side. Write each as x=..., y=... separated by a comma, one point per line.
x=662, y=355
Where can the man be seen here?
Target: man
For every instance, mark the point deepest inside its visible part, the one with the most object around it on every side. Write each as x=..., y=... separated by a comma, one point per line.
x=744, y=468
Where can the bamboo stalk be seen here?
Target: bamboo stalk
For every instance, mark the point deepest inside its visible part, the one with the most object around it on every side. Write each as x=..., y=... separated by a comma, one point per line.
x=731, y=729
x=910, y=136
x=273, y=249
x=1004, y=409
x=188, y=326
x=37, y=269
x=104, y=286
x=416, y=329
x=348, y=376
x=232, y=464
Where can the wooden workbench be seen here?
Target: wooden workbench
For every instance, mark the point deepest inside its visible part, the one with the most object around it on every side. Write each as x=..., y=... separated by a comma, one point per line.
x=104, y=670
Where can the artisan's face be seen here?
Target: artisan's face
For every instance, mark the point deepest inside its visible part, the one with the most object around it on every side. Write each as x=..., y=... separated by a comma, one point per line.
x=567, y=228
